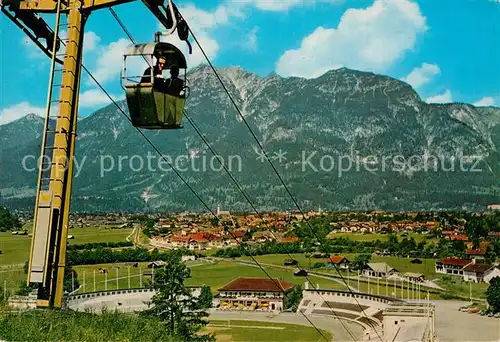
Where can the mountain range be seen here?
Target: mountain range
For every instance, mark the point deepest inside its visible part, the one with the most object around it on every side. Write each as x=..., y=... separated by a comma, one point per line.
x=347, y=140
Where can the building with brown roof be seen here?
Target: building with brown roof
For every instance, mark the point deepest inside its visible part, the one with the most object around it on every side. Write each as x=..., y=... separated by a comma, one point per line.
x=453, y=266
x=476, y=272
x=254, y=294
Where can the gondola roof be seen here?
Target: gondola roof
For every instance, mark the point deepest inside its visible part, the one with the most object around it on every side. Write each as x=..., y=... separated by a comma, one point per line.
x=169, y=51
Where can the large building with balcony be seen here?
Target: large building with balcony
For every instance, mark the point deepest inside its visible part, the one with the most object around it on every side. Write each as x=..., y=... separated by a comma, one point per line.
x=452, y=266
x=260, y=294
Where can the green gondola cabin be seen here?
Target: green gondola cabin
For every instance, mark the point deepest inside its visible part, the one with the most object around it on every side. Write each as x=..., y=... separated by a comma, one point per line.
x=151, y=106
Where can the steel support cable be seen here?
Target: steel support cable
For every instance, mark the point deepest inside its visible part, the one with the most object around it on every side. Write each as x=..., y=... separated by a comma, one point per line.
x=197, y=196
x=269, y=160
x=260, y=215
x=192, y=190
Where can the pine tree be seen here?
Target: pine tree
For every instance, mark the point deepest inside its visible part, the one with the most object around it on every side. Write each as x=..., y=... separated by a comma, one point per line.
x=493, y=294
x=206, y=297
x=294, y=297
x=174, y=304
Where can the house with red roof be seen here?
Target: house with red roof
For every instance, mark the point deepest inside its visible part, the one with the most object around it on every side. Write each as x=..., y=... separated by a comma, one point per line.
x=198, y=241
x=177, y=241
x=263, y=236
x=477, y=253
x=452, y=266
x=260, y=294
x=339, y=261
x=459, y=238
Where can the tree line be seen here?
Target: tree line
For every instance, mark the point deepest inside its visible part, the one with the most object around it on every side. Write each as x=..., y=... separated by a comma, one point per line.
x=394, y=246
x=95, y=245
x=108, y=255
x=8, y=221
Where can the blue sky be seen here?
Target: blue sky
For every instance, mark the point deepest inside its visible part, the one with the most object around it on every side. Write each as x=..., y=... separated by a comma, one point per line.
x=447, y=49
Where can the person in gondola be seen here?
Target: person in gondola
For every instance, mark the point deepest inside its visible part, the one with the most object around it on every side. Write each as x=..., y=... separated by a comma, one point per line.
x=174, y=85
x=159, y=81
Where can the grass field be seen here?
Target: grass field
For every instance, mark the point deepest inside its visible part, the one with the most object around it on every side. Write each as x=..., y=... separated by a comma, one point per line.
x=364, y=286
x=46, y=325
x=459, y=287
x=11, y=276
x=15, y=251
x=214, y=275
x=217, y=275
x=16, y=248
x=456, y=286
x=221, y=273
x=98, y=234
x=401, y=264
x=57, y=325
x=242, y=331
x=382, y=237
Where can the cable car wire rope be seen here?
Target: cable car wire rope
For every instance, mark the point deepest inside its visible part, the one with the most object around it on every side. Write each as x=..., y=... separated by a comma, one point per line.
x=262, y=149
x=194, y=192
x=260, y=216
x=193, y=124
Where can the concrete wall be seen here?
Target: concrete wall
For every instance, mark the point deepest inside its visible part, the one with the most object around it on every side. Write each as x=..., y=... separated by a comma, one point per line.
x=122, y=300
x=411, y=322
x=404, y=328
x=346, y=297
x=22, y=302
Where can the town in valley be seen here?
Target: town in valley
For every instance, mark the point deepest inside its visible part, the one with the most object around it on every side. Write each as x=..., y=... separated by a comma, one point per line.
x=372, y=269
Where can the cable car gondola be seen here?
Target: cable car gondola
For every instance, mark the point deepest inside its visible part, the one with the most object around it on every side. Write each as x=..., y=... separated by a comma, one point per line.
x=153, y=102
x=156, y=103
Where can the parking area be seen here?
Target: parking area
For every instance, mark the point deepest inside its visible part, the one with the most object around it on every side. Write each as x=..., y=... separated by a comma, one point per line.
x=455, y=325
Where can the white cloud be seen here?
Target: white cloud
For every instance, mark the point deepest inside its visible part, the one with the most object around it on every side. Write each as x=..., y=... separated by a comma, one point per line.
x=485, y=101
x=250, y=42
x=19, y=110
x=91, y=41
x=209, y=44
x=422, y=75
x=445, y=97
x=282, y=5
x=202, y=23
x=95, y=98
x=109, y=63
x=199, y=19
x=369, y=39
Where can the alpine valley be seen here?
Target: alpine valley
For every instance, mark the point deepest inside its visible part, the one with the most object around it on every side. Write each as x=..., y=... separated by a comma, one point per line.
x=347, y=140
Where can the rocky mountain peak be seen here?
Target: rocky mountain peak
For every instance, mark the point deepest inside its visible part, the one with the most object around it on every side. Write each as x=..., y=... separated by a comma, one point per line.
x=343, y=113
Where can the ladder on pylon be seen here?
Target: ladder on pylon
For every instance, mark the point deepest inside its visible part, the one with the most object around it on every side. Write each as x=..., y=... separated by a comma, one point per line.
x=53, y=97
